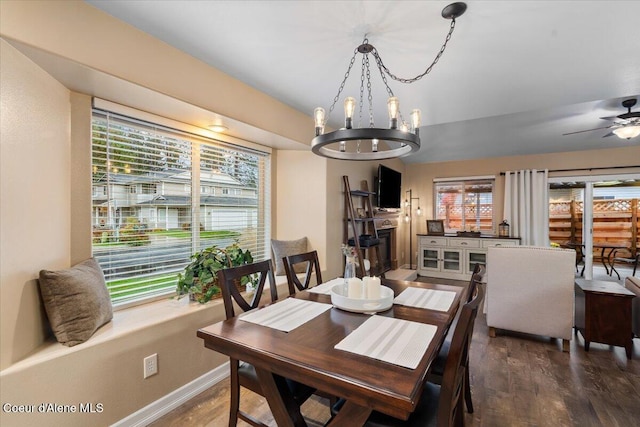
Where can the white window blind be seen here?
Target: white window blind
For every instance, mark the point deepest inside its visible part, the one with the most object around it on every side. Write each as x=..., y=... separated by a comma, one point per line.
x=144, y=238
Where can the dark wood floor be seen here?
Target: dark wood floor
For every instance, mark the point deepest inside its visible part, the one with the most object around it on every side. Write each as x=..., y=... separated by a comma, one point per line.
x=516, y=380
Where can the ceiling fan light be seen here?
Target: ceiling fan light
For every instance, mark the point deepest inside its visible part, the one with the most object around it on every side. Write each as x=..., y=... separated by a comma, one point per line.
x=627, y=132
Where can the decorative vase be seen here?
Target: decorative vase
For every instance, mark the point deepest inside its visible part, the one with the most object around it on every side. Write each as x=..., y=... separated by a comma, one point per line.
x=349, y=268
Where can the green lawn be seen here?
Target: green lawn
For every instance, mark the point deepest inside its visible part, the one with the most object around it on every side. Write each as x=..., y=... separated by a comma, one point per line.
x=122, y=288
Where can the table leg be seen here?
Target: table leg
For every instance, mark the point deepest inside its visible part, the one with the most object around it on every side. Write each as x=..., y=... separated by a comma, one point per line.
x=603, y=261
x=284, y=409
x=350, y=414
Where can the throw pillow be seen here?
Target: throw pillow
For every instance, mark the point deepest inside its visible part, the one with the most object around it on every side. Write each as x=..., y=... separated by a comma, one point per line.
x=76, y=301
x=283, y=248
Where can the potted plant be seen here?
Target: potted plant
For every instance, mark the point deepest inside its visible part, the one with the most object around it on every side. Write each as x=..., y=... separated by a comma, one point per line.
x=200, y=278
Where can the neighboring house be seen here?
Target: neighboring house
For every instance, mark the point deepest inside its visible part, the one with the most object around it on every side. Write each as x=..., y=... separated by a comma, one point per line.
x=163, y=201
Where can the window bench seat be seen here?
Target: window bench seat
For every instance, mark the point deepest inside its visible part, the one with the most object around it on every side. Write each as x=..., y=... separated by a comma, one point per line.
x=110, y=362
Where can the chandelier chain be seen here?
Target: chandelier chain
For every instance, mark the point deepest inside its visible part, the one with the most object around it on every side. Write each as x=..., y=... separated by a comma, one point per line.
x=427, y=71
x=346, y=76
x=362, y=73
x=369, y=97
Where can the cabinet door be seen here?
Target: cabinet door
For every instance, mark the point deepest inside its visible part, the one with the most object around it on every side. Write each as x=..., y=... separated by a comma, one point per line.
x=473, y=257
x=451, y=260
x=429, y=259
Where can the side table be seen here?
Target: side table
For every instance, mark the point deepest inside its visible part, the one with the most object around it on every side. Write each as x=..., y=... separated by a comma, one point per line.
x=603, y=313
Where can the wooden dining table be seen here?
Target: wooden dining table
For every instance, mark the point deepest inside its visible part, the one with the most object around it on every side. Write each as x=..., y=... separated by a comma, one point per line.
x=307, y=355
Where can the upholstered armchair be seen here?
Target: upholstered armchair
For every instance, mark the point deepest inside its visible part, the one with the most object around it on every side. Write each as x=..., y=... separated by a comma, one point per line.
x=633, y=284
x=531, y=290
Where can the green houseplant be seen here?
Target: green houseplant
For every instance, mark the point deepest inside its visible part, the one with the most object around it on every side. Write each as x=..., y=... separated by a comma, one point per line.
x=200, y=278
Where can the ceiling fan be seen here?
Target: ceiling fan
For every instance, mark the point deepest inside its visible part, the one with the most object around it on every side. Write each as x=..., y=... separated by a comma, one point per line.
x=625, y=126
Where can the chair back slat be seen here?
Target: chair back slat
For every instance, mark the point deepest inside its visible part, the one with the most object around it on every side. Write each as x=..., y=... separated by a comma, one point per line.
x=311, y=263
x=229, y=277
x=450, y=408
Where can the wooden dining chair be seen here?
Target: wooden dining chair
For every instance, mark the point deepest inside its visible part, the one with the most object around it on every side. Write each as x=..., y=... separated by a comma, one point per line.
x=244, y=374
x=437, y=367
x=439, y=405
x=309, y=261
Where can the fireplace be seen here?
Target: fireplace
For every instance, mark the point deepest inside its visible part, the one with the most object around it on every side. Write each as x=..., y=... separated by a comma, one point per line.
x=387, y=248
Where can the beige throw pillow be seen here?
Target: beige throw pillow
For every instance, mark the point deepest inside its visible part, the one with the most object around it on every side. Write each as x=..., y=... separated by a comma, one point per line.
x=76, y=301
x=283, y=248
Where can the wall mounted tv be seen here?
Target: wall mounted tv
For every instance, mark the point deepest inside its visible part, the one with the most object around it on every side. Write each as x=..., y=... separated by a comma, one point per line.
x=389, y=187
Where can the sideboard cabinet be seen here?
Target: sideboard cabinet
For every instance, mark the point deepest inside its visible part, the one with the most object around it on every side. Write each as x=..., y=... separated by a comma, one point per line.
x=453, y=257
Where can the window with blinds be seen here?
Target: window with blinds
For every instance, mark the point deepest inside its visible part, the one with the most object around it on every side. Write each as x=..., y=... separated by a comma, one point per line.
x=157, y=198
x=465, y=205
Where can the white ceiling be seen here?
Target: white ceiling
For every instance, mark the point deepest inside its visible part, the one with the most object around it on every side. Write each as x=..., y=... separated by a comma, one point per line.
x=516, y=74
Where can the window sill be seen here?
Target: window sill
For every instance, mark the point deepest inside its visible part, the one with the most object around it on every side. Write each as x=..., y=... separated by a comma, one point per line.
x=131, y=320
x=126, y=321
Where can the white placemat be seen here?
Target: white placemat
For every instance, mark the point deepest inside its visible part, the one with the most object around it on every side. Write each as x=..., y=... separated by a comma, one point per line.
x=286, y=315
x=396, y=341
x=325, y=288
x=431, y=299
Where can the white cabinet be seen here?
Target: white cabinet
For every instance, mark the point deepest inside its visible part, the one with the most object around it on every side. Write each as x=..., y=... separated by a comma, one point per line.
x=441, y=260
x=455, y=257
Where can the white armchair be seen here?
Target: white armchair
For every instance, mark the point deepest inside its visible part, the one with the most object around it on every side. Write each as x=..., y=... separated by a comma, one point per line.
x=531, y=290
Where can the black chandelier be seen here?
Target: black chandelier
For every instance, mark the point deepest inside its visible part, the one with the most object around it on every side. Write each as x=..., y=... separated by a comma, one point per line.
x=371, y=143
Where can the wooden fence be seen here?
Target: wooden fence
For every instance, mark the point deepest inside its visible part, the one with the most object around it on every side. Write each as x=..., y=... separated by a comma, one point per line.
x=614, y=222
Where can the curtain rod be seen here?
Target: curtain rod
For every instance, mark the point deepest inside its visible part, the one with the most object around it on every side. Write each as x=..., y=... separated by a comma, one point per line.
x=586, y=169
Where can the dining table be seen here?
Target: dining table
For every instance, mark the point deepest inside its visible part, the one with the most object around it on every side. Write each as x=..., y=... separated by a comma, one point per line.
x=308, y=354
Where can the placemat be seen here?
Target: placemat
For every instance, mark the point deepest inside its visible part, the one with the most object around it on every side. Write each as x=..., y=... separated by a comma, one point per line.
x=396, y=341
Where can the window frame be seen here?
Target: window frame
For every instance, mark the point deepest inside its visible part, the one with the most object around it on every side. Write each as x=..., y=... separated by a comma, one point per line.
x=464, y=182
x=262, y=191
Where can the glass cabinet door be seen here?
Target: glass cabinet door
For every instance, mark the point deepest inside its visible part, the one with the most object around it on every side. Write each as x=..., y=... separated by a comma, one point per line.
x=452, y=260
x=430, y=259
x=474, y=258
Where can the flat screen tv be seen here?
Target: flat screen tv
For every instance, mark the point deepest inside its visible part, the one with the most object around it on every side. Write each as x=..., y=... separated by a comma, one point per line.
x=389, y=188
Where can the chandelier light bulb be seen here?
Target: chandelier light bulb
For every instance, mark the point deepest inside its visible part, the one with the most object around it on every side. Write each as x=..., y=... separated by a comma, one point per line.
x=418, y=211
x=349, y=108
x=374, y=145
x=415, y=120
x=404, y=127
x=406, y=218
x=343, y=146
x=393, y=105
x=318, y=115
x=627, y=132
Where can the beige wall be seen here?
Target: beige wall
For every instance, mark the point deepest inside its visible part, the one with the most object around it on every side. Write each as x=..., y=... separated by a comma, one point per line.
x=35, y=209
x=301, y=199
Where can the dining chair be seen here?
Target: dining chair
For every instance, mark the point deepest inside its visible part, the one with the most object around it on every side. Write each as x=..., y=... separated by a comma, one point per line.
x=437, y=367
x=244, y=374
x=439, y=405
x=311, y=264
x=293, y=263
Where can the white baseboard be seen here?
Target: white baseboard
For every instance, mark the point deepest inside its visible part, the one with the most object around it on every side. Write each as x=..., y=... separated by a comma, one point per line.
x=168, y=403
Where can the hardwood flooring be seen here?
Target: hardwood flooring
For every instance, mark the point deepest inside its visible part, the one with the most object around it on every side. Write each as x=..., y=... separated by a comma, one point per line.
x=516, y=380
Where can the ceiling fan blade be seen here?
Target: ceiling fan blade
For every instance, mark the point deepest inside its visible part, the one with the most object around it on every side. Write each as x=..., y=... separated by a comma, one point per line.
x=587, y=130
x=609, y=134
x=609, y=118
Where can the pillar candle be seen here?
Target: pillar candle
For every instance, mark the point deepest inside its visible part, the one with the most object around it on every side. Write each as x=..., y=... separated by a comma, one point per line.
x=373, y=288
x=355, y=288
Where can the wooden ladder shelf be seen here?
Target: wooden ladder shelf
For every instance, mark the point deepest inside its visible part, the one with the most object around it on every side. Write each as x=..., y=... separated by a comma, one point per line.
x=359, y=225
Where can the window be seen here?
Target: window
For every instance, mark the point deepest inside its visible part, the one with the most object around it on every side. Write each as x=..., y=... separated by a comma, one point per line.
x=143, y=242
x=465, y=205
